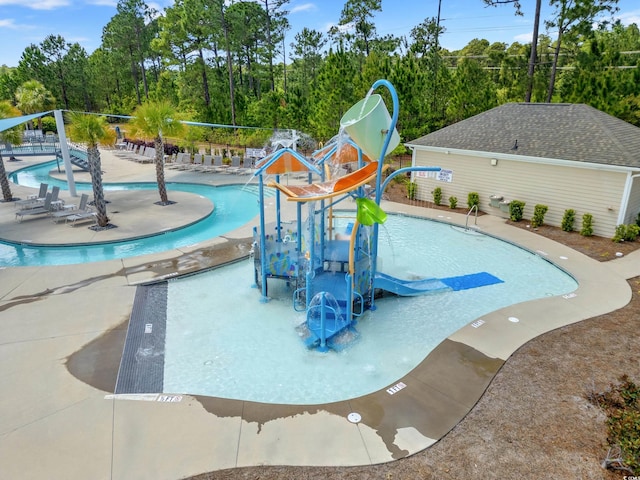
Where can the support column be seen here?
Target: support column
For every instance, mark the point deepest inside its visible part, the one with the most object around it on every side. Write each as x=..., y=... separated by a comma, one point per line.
x=64, y=149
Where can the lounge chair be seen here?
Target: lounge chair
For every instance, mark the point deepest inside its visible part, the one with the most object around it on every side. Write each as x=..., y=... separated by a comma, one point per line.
x=44, y=209
x=34, y=200
x=56, y=203
x=81, y=218
x=149, y=156
x=235, y=165
x=207, y=164
x=218, y=165
x=197, y=161
x=183, y=162
x=82, y=208
x=175, y=161
x=247, y=166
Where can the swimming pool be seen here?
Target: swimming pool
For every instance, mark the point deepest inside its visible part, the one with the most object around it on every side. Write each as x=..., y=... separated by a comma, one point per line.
x=232, y=346
x=235, y=205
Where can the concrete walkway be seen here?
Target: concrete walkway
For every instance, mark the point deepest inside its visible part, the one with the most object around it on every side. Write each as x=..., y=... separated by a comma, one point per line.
x=62, y=331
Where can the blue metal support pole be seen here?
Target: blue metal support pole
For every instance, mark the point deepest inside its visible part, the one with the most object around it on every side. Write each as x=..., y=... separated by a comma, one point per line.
x=311, y=272
x=263, y=243
x=278, y=226
x=299, y=223
x=323, y=316
x=392, y=126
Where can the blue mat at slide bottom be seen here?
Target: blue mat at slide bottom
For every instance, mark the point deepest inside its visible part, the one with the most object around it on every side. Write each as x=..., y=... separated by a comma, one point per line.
x=473, y=280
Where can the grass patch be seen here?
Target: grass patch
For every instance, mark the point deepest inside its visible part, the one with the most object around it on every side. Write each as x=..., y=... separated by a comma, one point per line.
x=621, y=403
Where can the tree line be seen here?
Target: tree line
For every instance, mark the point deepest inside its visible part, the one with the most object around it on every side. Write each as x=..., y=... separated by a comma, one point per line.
x=228, y=63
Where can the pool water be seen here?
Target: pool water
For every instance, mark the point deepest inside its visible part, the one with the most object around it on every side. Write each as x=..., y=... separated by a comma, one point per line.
x=223, y=342
x=235, y=205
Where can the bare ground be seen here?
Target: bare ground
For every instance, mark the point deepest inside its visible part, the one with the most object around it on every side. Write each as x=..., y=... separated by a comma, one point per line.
x=534, y=420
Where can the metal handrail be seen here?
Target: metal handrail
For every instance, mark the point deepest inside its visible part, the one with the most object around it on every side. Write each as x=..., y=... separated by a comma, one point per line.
x=466, y=224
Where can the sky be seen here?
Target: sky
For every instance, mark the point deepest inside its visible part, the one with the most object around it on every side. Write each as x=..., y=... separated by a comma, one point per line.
x=25, y=22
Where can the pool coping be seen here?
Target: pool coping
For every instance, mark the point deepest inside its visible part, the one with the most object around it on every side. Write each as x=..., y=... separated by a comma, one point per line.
x=143, y=439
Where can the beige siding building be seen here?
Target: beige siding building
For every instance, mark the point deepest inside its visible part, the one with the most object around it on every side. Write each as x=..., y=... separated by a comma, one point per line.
x=559, y=155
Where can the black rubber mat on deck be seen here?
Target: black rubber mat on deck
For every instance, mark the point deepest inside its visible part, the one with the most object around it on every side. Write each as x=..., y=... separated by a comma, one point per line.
x=142, y=364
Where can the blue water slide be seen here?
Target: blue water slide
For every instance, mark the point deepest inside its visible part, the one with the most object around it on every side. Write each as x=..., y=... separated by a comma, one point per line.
x=409, y=288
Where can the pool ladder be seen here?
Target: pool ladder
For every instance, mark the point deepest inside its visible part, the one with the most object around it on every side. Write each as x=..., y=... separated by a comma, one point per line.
x=475, y=222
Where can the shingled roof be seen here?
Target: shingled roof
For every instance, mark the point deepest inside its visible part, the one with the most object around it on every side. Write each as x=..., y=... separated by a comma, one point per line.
x=549, y=130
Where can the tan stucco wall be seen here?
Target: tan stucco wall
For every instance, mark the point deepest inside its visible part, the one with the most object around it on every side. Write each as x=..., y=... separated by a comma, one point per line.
x=585, y=190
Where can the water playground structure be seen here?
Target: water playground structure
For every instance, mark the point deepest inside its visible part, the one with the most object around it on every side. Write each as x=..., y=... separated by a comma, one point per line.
x=331, y=261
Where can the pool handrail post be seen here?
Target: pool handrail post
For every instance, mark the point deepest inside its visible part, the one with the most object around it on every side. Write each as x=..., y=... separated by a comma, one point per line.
x=392, y=126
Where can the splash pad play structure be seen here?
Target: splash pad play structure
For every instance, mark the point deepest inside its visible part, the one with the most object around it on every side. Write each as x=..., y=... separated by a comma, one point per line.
x=329, y=257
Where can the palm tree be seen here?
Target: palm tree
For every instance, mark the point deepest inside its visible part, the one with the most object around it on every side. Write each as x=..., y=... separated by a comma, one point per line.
x=93, y=130
x=33, y=97
x=11, y=135
x=155, y=119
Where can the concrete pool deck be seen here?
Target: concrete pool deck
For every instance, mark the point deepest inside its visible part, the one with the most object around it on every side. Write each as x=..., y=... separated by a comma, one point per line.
x=62, y=331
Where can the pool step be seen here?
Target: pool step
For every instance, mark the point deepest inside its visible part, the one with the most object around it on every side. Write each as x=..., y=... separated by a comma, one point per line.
x=255, y=189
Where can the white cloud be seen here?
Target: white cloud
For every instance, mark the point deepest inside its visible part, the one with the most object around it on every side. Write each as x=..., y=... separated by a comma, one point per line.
x=104, y=3
x=341, y=28
x=38, y=4
x=524, y=37
x=627, y=18
x=305, y=7
x=8, y=23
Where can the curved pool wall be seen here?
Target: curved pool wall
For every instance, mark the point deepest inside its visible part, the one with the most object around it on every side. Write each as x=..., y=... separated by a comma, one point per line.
x=252, y=351
x=235, y=205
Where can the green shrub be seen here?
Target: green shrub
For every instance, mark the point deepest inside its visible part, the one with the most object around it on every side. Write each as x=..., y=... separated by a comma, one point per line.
x=626, y=233
x=437, y=195
x=49, y=124
x=412, y=189
x=400, y=179
x=587, y=225
x=516, y=210
x=473, y=199
x=453, y=202
x=568, y=220
x=622, y=406
x=538, y=215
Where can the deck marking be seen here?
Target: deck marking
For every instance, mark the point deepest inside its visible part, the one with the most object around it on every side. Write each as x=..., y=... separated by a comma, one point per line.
x=169, y=398
x=396, y=388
